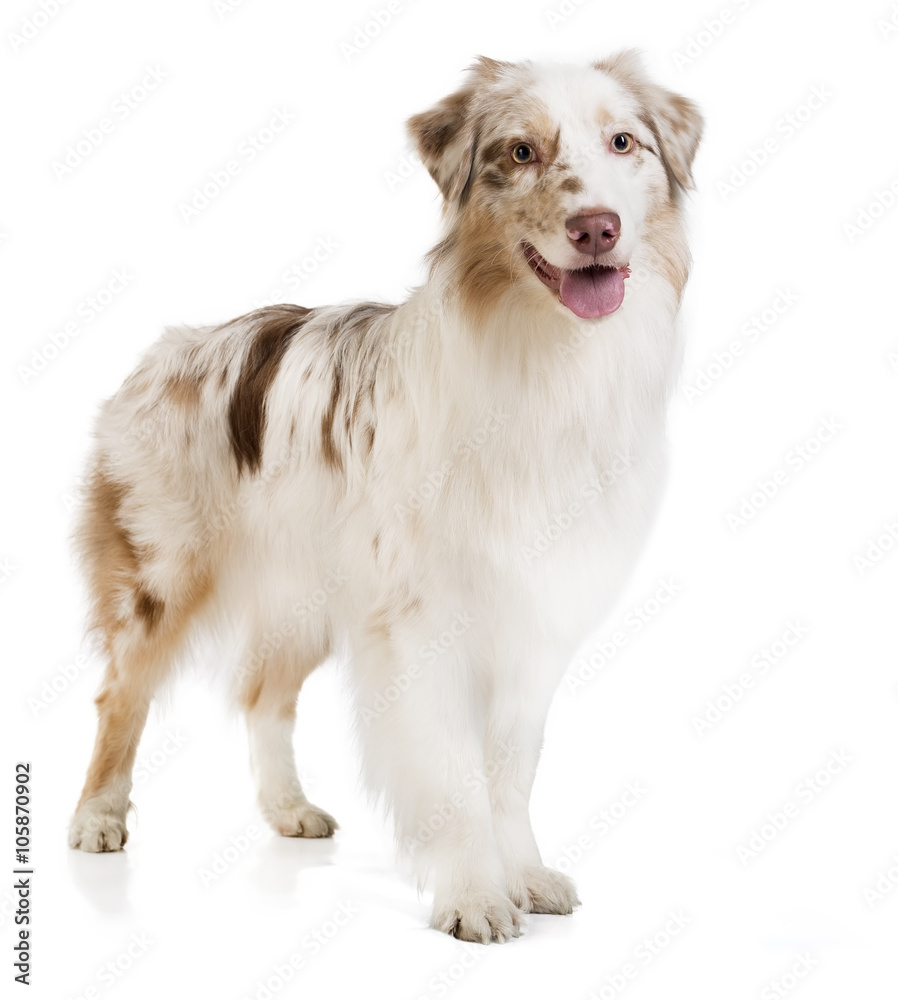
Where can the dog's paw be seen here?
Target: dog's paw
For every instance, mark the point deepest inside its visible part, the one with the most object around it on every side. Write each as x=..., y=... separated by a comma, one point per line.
x=480, y=915
x=537, y=889
x=300, y=819
x=97, y=829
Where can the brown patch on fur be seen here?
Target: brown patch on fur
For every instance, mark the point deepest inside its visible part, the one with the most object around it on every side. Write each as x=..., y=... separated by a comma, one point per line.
x=184, y=389
x=149, y=609
x=379, y=625
x=273, y=683
x=499, y=170
x=666, y=241
x=490, y=69
x=329, y=450
x=485, y=263
x=348, y=418
x=551, y=144
x=381, y=622
x=122, y=717
x=572, y=184
x=248, y=403
x=249, y=696
x=287, y=711
x=115, y=567
x=141, y=642
x=444, y=137
x=107, y=549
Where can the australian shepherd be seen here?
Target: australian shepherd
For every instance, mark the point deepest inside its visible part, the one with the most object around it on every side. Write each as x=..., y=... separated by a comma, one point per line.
x=450, y=491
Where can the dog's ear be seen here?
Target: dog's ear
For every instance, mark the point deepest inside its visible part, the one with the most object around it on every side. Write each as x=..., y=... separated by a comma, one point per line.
x=675, y=120
x=445, y=140
x=446, y=136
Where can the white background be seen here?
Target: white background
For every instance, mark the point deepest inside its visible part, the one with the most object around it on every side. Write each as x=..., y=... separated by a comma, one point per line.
x=334, y=174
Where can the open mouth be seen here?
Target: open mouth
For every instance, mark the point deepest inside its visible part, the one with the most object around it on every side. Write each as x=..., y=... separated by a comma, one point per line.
x=588, y=292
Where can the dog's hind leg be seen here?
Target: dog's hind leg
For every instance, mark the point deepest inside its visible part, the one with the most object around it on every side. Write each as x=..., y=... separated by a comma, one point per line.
x=142, y=620
x=268, y=692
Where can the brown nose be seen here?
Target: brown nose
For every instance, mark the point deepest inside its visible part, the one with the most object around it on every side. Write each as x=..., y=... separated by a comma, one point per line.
x=593, y=234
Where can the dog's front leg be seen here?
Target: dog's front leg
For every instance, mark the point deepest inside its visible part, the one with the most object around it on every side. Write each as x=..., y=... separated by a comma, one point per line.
x=520, y=695
x=422, y=721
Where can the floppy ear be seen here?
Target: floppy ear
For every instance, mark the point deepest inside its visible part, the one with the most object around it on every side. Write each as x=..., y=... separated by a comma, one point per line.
x=678, y=126
x=446, y=136
x=445, y=139
x=674, y=120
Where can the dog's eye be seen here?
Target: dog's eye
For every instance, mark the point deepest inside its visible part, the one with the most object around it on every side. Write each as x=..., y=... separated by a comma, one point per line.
x=522, y=153
x=622, y=142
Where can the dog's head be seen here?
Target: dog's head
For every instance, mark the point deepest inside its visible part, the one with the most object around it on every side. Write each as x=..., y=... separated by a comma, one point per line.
x=559, y=176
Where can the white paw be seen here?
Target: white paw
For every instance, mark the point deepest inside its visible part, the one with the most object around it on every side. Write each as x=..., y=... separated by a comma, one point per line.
x=96, y=829
x=537, y=889
x=299, y=819
x=480, y=915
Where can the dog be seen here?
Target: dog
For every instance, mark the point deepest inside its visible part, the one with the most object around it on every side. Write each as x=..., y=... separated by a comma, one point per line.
x=450, y=491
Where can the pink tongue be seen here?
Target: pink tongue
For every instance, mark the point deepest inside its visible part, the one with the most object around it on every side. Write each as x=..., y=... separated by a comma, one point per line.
x=592, y=291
